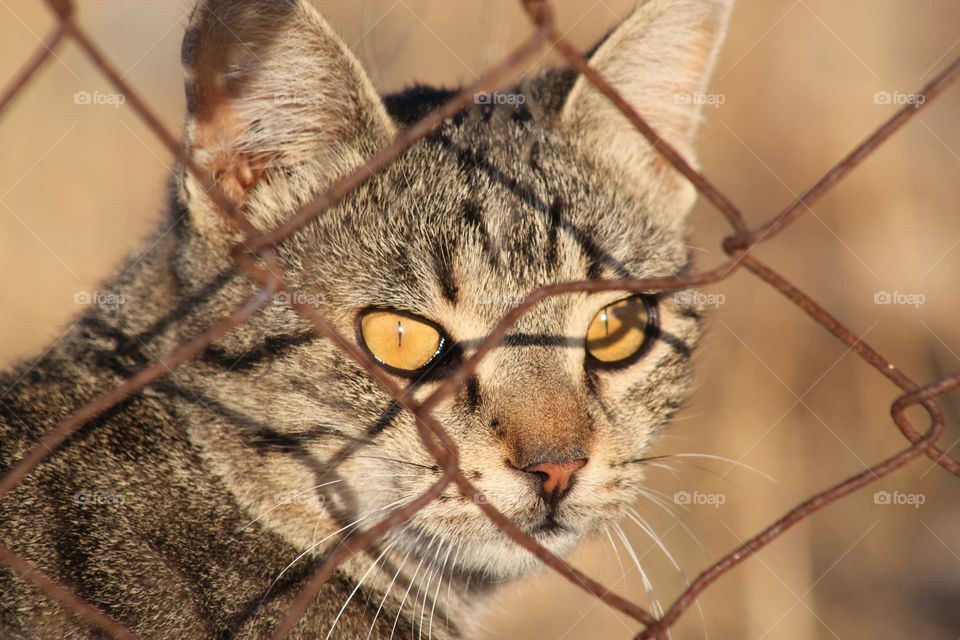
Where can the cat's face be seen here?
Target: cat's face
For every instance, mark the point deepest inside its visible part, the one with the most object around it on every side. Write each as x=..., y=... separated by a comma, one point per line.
x=449, y=253
x=420, y=264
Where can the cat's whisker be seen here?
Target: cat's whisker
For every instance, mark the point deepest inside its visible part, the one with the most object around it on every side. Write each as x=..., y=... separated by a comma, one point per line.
x=436, y=595
x=656, y=498
x=666, y=467
x=406, y=593
x=665, y=463
x=466, y=587
x=616, y=554
x=425, y=587
x=667, y=457
x=353, y=525
x=703, y=620
x=735, y=463
x=632, y=513
x=652, y=496
x=294, y=496
x=662, y=500
x=647, y=584
x=389, y=588
x=640, y=522
x=357, y=588
x=453, y=568
x=391, y=541
x=434, y=468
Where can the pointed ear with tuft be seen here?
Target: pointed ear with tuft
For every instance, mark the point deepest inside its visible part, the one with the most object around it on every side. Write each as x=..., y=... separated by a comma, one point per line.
x=660, y=60
x=277, y=107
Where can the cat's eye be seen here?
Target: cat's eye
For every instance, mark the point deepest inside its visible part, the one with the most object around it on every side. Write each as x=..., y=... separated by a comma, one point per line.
x=622, y=331
x=400, y=341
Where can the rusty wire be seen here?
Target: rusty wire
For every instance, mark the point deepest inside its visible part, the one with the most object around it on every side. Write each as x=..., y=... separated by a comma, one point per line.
x=254, y=255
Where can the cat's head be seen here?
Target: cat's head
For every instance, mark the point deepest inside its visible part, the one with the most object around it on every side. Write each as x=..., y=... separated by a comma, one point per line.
x=535, y=185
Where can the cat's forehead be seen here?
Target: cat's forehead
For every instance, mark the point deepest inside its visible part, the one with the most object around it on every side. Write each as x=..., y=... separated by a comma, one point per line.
x=490, y=207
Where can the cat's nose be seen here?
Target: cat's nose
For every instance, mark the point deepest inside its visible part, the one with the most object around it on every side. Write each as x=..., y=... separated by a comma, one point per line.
x=555, y=477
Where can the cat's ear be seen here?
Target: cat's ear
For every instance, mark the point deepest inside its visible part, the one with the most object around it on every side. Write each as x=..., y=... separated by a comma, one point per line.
x=277, y=106
x=660, y=60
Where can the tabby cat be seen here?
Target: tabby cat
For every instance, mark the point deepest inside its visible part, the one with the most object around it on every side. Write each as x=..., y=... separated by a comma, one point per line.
x=198, y=507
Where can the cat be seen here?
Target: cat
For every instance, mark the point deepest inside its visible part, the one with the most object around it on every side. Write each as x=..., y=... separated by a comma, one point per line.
x=198, y=507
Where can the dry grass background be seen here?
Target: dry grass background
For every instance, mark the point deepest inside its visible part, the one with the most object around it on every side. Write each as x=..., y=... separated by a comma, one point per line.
x=81, y=186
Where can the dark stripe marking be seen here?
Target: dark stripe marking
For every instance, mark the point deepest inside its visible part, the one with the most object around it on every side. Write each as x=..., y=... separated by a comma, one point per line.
x=272, y=348
x=473, y=394
x=555, y=220
x=443, y=267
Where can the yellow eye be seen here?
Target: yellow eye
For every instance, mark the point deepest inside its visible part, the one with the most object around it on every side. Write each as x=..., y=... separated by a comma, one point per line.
x=400, y=341
x=619, y=331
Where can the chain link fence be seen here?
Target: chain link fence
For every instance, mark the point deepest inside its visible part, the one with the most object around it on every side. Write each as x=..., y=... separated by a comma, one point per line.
x=255, y=256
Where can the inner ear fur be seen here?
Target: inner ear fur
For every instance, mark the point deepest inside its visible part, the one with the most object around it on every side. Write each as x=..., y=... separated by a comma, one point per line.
x=277, y=105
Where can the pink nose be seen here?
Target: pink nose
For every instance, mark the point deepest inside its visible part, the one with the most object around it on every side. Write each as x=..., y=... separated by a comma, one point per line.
x=555, y=477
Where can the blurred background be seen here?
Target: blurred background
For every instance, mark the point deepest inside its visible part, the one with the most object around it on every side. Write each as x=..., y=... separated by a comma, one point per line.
x=781, y=409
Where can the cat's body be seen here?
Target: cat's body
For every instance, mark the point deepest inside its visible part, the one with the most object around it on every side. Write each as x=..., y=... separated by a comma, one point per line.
x=196, y=508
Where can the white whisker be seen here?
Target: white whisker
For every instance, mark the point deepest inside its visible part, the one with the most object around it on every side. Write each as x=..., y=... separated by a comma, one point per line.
x=294, y=496
x=352, y=525
x=731, y=461
x=407, y=593
x=666, y=467
x=652, y=496
x=647, y=585
x=288, y=500
x=616, y=554
x=425, y=588
x=453, y=567
x=640, y=522
x=357, y=588
x=389, y=588
x=436, y=596
x=636, y=517
x=658, y=498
